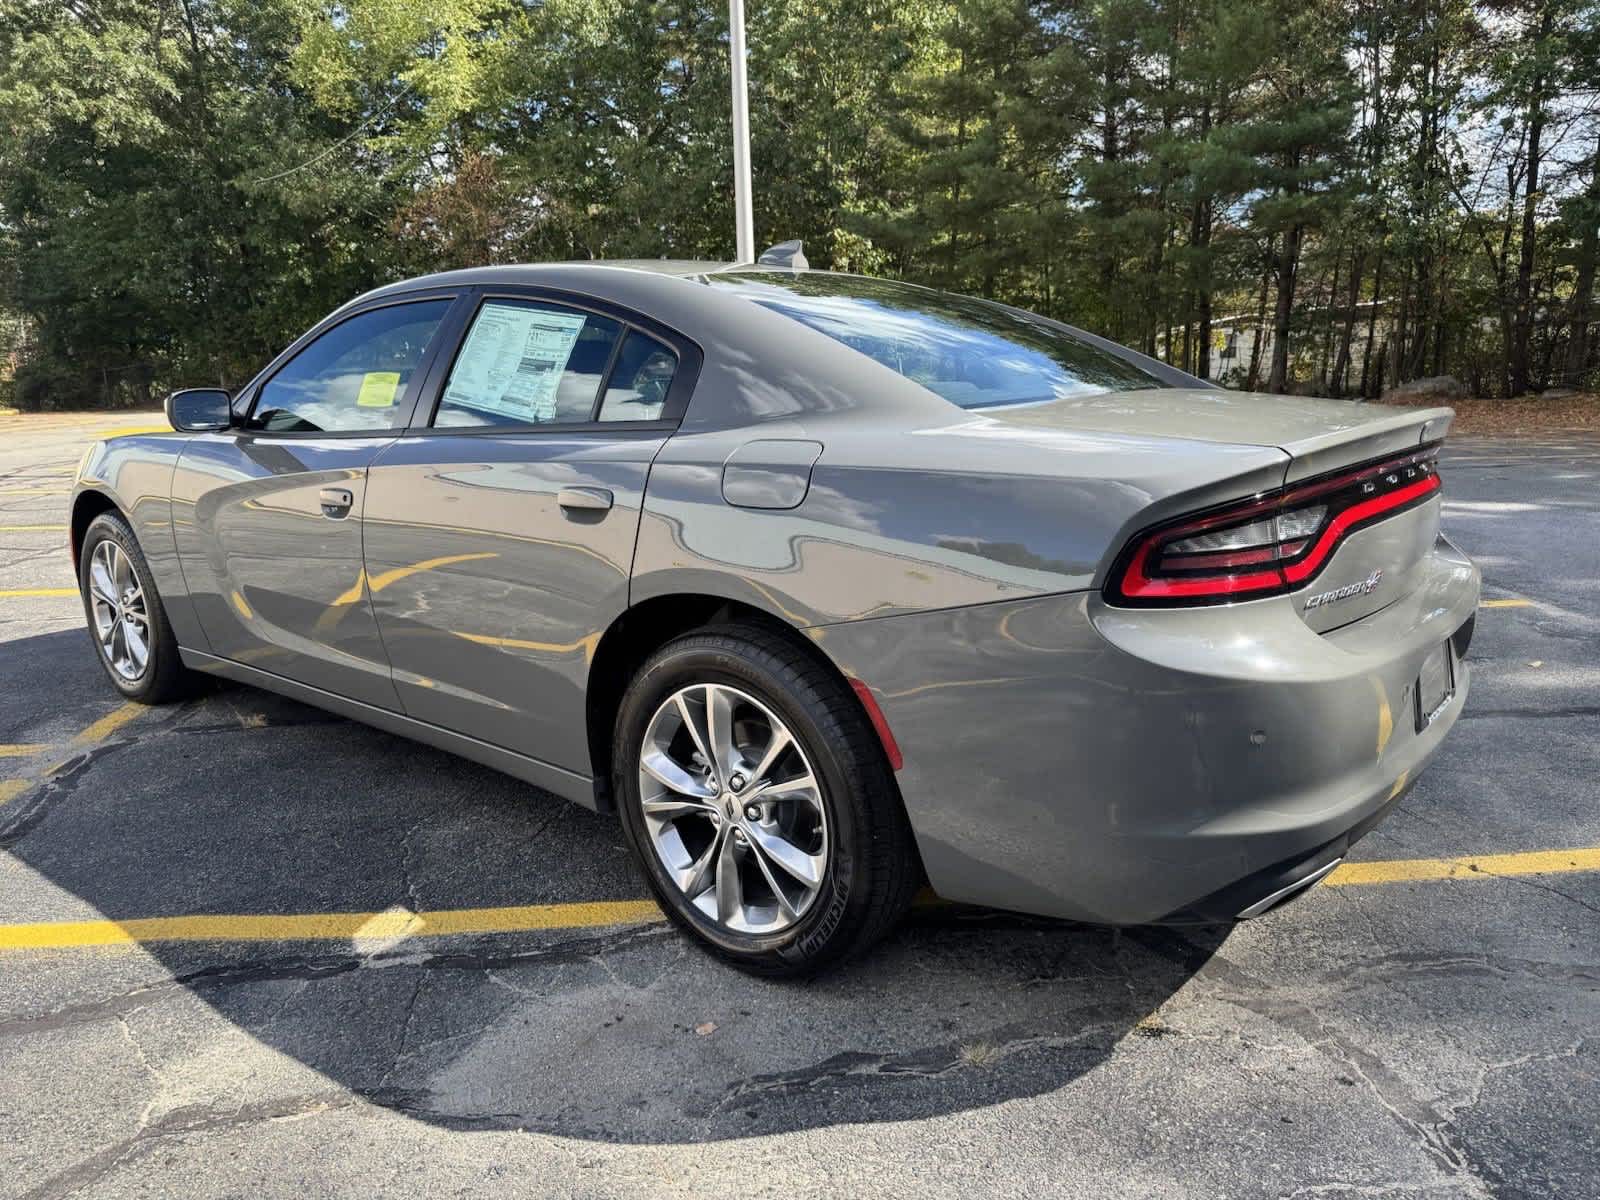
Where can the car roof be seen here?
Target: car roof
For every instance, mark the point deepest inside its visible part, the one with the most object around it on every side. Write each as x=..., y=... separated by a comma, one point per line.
x=759, y=365
x=662, y=266
x=799, y=374
x=655, y=286
x=540, y=272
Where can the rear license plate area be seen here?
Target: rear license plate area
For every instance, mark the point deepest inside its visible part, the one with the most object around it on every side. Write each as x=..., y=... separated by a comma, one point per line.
x=1436, y=684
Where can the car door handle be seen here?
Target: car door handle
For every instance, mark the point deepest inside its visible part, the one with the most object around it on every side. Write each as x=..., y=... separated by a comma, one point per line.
x=588, y=499
x=336, y=502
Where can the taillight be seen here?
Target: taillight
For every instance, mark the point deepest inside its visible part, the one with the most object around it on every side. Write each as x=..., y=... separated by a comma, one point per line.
x=1271, y=543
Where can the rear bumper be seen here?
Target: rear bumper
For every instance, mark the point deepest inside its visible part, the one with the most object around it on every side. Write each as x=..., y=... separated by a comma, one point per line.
x=1274, y=886
x=1067, y=758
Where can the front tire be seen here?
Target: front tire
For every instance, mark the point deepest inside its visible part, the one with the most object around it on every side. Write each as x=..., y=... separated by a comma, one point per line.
x=127, y=622
x=759, y=803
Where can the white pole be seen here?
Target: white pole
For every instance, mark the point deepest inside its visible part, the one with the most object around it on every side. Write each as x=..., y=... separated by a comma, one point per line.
x=743, y=215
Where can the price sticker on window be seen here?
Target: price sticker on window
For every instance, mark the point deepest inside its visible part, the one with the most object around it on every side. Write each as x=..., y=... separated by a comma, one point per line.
x=513, y=361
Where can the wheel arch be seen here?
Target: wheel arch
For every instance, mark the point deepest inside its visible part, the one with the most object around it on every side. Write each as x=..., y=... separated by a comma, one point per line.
x=86, y=506
x=647, y=626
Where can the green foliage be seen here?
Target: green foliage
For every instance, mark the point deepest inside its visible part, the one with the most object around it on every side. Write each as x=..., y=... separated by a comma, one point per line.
x=162, y=216
x=186, y=184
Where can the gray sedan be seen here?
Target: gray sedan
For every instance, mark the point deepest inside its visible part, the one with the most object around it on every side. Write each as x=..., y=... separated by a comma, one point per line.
x=829, y=586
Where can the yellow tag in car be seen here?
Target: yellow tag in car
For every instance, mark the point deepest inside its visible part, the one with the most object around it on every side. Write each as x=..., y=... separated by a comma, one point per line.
x=378, y=389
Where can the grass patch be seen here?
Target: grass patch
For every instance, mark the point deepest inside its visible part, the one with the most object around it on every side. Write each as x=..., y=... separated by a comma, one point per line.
x=980, y=1054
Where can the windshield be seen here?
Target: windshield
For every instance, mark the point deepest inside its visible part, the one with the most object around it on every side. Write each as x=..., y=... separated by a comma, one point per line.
x=972, y=353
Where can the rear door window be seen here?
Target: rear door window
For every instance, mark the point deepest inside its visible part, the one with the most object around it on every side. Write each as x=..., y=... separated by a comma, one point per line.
x=528, y=362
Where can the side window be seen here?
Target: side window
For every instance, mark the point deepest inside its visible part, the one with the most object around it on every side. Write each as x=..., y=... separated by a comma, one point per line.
x=353, y=376
x=528, y=363
x=637, y=390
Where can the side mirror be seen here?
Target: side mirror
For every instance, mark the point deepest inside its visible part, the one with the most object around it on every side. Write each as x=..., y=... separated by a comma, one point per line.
x=199, y=410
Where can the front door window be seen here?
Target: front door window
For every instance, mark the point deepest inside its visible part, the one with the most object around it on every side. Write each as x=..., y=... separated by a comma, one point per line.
x=354, y=377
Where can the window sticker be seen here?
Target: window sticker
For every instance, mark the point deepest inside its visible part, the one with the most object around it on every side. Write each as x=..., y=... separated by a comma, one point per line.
x=378, y=389
x=513, y=361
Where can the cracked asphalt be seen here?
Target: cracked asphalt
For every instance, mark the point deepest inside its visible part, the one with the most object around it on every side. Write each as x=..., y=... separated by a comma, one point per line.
x=1434, y=1038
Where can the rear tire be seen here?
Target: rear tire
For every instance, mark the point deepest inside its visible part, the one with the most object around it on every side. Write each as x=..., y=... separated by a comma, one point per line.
x=127, y=621
x=852, y=866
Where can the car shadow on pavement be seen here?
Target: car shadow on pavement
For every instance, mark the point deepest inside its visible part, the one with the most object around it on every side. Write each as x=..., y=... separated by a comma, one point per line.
x=242, y=803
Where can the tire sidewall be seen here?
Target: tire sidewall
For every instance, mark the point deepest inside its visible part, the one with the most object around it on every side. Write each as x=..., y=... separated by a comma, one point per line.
x=843, y=896
x=106, y=528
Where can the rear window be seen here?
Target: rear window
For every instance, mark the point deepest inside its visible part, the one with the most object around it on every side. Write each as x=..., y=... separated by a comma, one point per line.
x=972, y=353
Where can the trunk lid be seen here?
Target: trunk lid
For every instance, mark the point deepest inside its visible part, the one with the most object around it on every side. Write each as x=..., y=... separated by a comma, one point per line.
x=1373, y=566
x=1318, y=435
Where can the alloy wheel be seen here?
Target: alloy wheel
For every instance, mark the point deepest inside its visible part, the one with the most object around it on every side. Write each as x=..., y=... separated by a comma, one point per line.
x=733, y=808
x=121, y=620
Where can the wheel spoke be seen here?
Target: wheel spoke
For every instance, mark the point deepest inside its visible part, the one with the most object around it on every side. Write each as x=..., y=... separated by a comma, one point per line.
x=105, y=619
x=730, y=892
x=121, y=567
x=698, y=875
x=100, y=581
x=673, y=775
x=669, y=808
x=784, y=787
x=806, y=868
x=759, y=853
x=719, y=729
x=696, y=733
x=138, y=649
x=780, y=742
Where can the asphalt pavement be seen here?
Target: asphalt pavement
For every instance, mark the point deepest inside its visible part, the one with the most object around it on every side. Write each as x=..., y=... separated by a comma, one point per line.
x=247, y=948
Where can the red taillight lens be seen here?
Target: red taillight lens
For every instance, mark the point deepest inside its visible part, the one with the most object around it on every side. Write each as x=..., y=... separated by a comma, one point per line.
x=1271, y=543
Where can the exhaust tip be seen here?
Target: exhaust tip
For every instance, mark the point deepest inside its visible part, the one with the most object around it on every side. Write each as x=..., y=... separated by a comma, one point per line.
x=1284, y=894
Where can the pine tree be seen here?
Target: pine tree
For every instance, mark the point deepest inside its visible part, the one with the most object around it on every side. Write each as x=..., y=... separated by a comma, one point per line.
x=1297, y=130
x=977, y=197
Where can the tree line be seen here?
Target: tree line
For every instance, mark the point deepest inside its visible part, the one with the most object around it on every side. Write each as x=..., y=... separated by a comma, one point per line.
x=1288, y=195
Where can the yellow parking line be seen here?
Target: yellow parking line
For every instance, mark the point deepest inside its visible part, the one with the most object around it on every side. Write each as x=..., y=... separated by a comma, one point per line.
x=399, y=923
x=1478, y=866
x=33, y=528
x=1505, y=603
x=27, y=491
x=295, y=927
x=90, y=735
x=108, y=724
x=19, y=592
